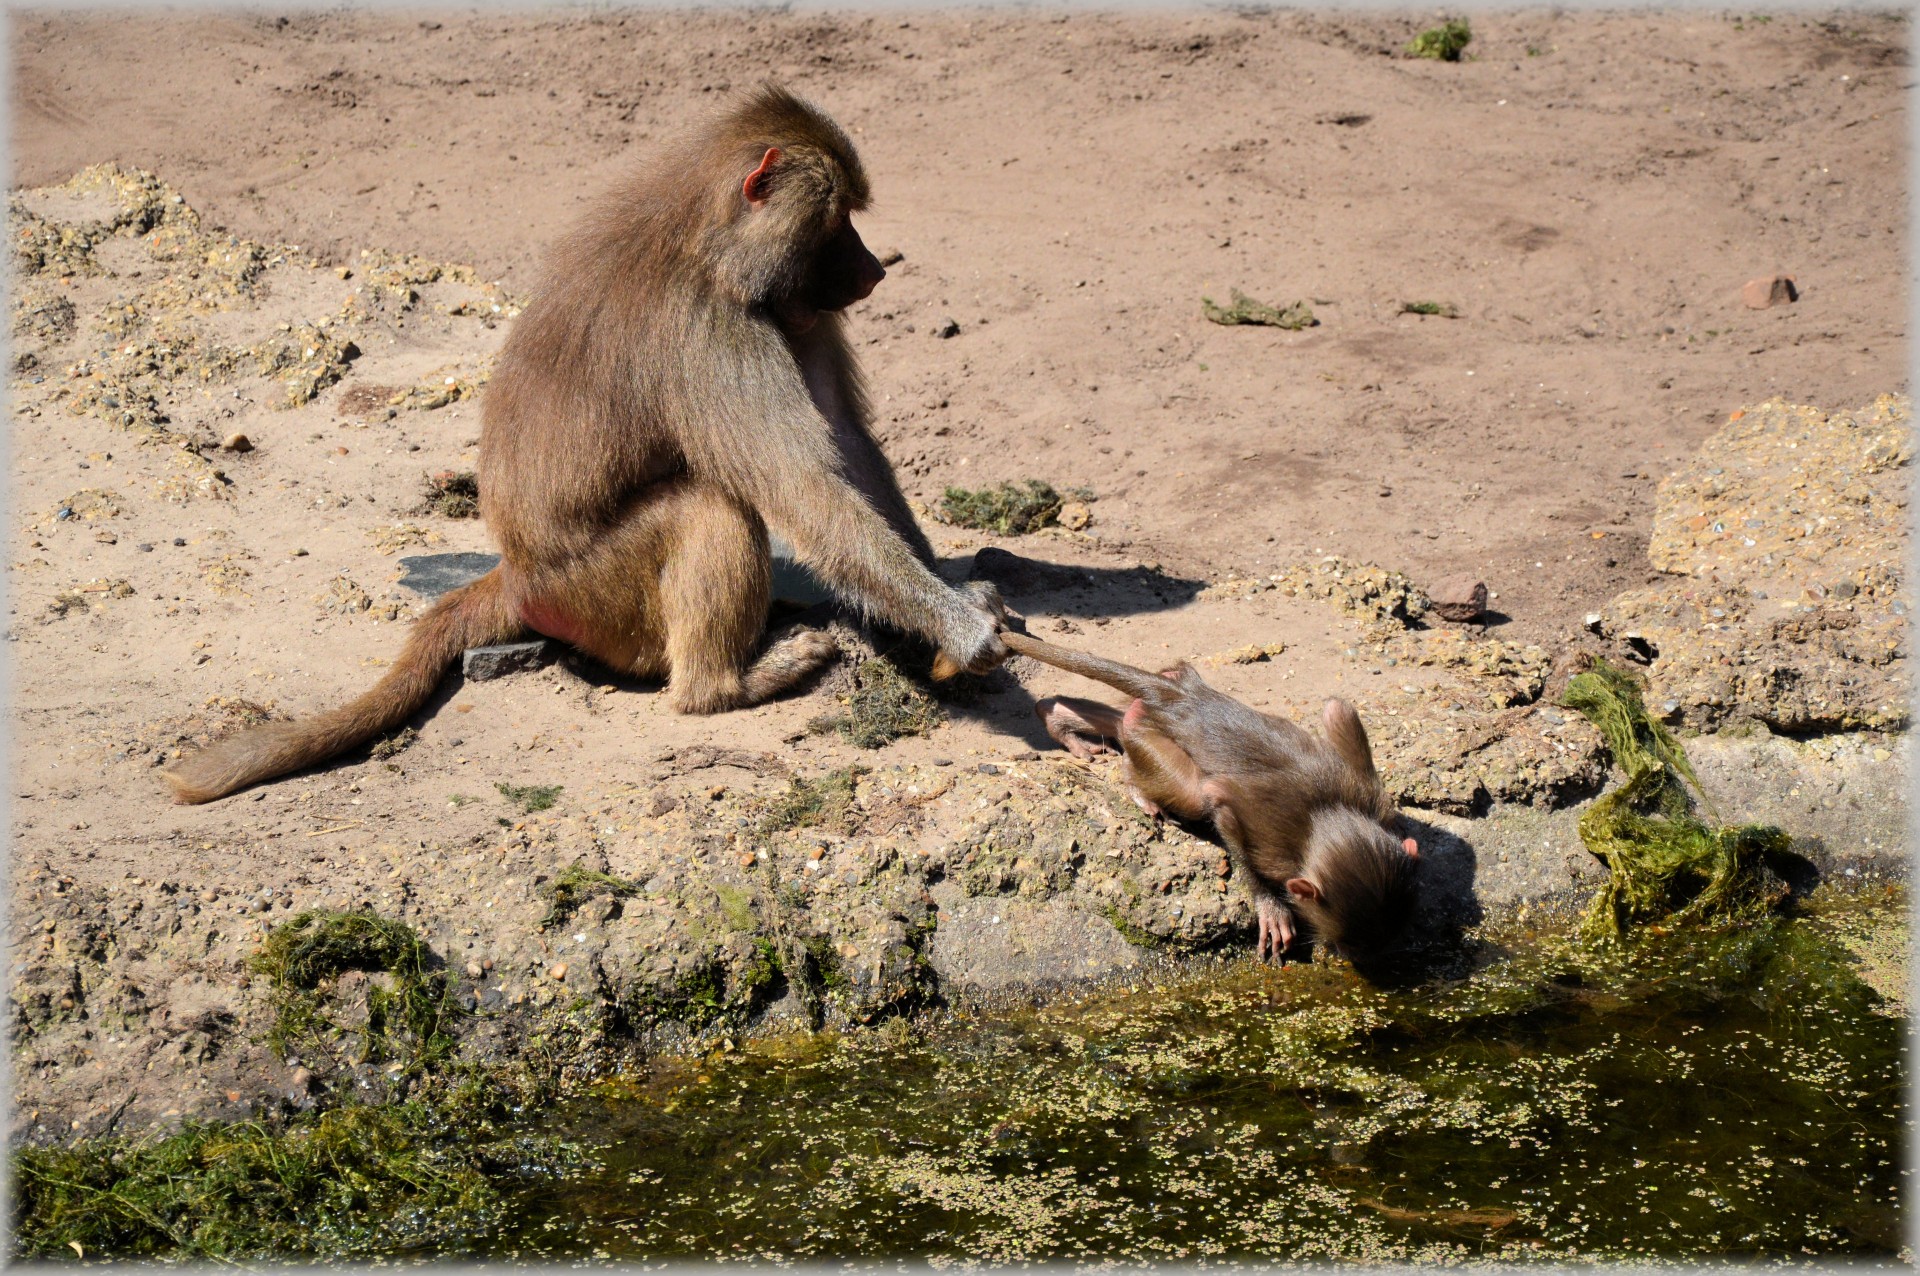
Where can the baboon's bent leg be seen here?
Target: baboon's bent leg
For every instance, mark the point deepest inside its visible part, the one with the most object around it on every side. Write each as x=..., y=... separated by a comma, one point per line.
x=1082, y=726
x=714, y=593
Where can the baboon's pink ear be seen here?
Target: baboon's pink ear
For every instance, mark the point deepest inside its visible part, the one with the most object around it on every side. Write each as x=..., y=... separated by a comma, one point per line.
x=1302, y=888
x=1412, y=848
x=755, y=187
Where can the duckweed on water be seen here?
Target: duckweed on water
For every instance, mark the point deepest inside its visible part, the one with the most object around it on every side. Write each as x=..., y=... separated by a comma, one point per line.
x=1730, y=1093
x=1736, y=1093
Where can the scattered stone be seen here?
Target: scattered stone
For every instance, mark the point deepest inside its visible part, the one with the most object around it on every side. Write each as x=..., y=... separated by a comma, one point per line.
x=1252, y=654
x=1765, y=293
x=483, y=664
x=946, y=328
x=1459, y=598
x=431, y=575
x=1075, y=515
x=237, y=442
x=300, y=1081
x=474, y=970
x=343, y=598
x=557, y=971
x=892, y=257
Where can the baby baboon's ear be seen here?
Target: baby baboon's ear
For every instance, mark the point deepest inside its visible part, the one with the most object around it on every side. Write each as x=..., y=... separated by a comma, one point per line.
x=1349, y=739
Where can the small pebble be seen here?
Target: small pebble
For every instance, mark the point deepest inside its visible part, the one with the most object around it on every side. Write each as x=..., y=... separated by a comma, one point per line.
x=1769, y=291
x=179, y=540
x=558, y=970
x=237, y=443
x=145, y=547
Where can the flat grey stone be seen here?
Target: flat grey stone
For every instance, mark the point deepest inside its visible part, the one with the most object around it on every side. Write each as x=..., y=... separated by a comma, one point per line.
x=431, y=575
x=482, y=664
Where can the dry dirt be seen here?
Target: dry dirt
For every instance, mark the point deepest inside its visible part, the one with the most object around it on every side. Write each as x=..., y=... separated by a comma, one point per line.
x=1588, y=191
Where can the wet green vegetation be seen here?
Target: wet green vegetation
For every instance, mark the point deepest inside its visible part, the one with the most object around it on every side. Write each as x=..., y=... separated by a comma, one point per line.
x=355, y=1182
x=1009, y=509
x=1245, y=310
x=531, y=797
x=1733, y=1094
x=1667, y=866
x=407, y=1010
x=884, y=705
x=1444, y=43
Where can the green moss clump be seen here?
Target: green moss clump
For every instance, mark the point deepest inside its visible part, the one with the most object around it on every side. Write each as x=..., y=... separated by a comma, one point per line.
x=885, y=705
x=1667, y=865
x=531, y=797
x=355, y=1181
x=1443, y=43
x=1010, y=509
x=1246, y=310
x=1444, y=309
x=451, y=494
x=406, y=1019
x=824, y=802
x=571, y=887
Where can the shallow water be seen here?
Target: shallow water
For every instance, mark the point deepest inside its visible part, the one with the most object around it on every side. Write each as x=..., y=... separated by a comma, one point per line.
x=1734, y=1097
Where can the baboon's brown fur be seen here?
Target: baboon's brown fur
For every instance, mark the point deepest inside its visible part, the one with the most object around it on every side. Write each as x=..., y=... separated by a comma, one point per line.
x=679, y=384
x=1307, y=821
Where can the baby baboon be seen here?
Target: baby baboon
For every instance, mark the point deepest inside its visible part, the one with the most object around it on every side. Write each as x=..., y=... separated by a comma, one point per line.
x=679, y=385
x=1307, y=822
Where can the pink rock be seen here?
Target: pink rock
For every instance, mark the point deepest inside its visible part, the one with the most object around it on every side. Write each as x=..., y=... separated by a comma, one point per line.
x=1459, y=598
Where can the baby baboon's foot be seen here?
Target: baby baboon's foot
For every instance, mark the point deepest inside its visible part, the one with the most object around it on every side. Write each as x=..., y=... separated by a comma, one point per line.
x=1081, y=727
x=789, y=660
x=1145, y=803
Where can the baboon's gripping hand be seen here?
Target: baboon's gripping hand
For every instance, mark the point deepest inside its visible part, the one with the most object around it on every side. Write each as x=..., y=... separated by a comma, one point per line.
x=970, y=641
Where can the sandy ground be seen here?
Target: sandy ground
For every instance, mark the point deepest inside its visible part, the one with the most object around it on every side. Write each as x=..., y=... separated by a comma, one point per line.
x=1589, y=191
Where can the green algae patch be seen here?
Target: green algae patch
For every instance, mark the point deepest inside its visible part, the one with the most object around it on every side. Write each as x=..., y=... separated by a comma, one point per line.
x=574, y=884
x=1668, y=867
x=1009, y=509
x=885, y=705
x=531, y=797
x=407, y=1012
x=404, y=1178
x=1245, y=310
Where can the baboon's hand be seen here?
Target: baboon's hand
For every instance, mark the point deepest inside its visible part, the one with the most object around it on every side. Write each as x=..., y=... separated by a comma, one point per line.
x=972, y=643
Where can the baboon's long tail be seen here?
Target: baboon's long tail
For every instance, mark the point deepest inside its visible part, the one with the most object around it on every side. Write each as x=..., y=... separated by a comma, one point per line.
x=472, y=615
x=1137, y=683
